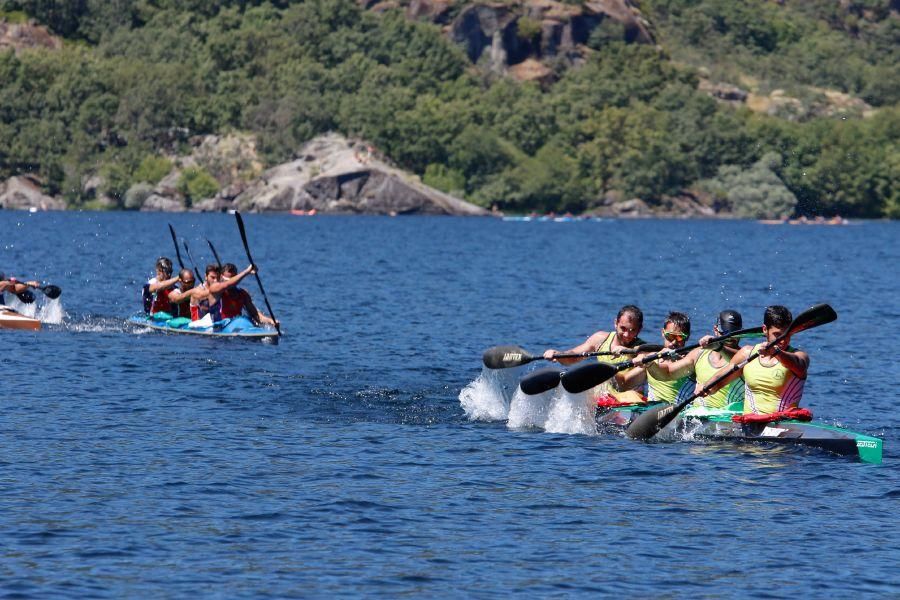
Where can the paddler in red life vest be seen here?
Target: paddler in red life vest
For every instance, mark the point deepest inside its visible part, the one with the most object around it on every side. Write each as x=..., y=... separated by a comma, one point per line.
x=702, y=363
x=180, y=297
x=206, y=298
x=235, y=300
x=662, y=387
x=624, y=336
x=774, y=381
x=156, y=290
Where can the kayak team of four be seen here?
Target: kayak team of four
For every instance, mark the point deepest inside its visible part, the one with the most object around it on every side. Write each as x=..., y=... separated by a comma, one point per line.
x=770, y=385
x=216, y=299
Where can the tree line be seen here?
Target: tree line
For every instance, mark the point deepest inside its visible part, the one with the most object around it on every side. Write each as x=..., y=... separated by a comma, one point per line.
x=137, y=78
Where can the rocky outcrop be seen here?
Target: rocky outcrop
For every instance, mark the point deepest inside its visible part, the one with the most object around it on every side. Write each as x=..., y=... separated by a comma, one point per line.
x=501, y=35
x=24, y=192
x=337, y=177
x=687, y=204
x=22, y=36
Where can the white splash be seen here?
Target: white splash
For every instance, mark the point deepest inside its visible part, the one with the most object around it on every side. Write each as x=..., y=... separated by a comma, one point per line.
x=487, y=398
x=572, y=413
x=52, y=311
x=555, y=411
x=529, y=411
x=495, y=395
x=23, y=309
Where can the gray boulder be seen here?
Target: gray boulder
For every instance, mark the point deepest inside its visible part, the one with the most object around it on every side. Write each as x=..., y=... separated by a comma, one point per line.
x=337, y=177
x=24, y=192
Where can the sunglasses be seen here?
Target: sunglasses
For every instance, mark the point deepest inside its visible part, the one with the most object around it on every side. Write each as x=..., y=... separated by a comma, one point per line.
x=674, y=335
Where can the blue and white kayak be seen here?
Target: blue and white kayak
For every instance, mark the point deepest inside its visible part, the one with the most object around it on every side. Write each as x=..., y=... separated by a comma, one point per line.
x=236, y=327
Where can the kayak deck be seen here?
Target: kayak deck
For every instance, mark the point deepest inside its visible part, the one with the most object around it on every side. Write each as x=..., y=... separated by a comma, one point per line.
x=236, y=327
x=10, y=319
x=717, y=425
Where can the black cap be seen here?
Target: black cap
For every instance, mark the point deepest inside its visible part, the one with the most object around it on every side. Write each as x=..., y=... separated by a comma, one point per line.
x=728, y=321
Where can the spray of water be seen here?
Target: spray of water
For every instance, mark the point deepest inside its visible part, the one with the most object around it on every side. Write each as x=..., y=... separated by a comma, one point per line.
x=488, y=397
x=52, y=311
x=555, y=411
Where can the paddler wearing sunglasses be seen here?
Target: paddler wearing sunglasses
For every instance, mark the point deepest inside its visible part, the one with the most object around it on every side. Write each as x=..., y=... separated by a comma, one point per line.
x=624, y=336
x=661, y=385
x=702, y=364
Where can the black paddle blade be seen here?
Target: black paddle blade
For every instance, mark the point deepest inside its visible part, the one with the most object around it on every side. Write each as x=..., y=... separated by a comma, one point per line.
x=820, y=314
x=587, y=376
x=542, y=380
x=649, y=348
x=26, y=296
x=651, y=422
x=53, y=292
x=504, y=357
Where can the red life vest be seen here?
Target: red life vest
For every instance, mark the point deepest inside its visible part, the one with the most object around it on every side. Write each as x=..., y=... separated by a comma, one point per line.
x=232, y=302
x=792, y=414
x=161, y=302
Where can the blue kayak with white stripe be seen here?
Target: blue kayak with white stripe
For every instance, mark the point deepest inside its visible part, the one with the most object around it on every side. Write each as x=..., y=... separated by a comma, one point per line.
x=236, y=327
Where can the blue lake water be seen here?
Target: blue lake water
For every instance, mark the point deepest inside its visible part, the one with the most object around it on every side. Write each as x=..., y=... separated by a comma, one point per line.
x=343, y=461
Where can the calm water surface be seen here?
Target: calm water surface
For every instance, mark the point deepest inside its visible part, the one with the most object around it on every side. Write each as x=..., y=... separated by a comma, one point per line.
x=343, y=460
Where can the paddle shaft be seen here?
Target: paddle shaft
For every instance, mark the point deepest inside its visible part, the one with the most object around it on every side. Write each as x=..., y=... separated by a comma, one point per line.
x=216, y=254
x=177, y=251
x=191, y=258
x=240, y=223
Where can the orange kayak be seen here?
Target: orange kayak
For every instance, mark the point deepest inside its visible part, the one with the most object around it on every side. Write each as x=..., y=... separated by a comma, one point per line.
x=10, y=319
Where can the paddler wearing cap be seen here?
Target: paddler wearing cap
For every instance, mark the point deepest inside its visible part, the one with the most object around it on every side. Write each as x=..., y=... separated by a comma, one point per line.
x=702, y=363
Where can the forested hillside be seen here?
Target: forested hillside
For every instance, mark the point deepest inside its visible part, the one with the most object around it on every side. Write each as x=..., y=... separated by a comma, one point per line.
x=811, y=125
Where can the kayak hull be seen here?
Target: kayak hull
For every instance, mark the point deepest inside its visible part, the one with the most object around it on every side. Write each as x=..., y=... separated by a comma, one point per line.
x=237, y=327
x=717, y=425
x=10, y=319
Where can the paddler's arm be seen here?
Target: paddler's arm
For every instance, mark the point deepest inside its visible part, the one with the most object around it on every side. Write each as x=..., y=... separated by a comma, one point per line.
x=161, y=285
x=667, y=370
x=217, y=287
x=589, y=345
x=631, y=378
x=736, y=360
x=177, y=296
x=796, y=361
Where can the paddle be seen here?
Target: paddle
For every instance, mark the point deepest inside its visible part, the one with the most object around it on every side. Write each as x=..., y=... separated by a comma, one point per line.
x=240, y=224
x=177, y=251
x=504, y=357
x=25, y=296
x=216, y=254
x=654, y=420
x=191, y=258
x=585, y=377
x=51, y=291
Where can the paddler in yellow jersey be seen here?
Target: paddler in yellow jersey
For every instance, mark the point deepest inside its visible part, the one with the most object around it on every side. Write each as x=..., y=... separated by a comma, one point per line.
x=703, y=363
x=624, y=336
x=661, y=385
x=774, y=381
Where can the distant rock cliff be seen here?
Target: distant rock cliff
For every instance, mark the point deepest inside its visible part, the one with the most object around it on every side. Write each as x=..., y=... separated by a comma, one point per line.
x=334, y=176
x=521, y=38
